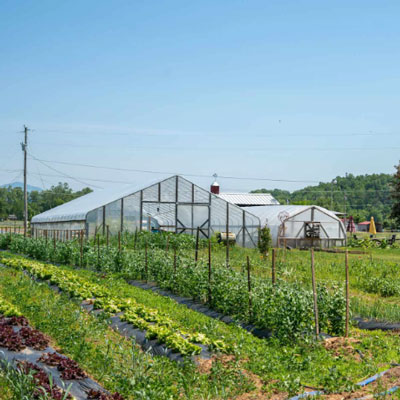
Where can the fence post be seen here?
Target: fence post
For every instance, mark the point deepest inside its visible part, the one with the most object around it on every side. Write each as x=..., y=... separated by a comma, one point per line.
x=196, y=252
x=54, y=242
x=347, y=292
x=273, y=266
x=249, y=287
x=209, y=272
x=314, y=294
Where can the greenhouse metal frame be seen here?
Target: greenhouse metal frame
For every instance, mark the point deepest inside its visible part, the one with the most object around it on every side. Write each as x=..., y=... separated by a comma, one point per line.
x=173, y=204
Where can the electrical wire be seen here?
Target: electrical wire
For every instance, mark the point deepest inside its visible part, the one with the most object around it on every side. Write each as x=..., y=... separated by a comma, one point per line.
x=66, y=175
x=149, y=132
x=170, y=173
x=199, y=176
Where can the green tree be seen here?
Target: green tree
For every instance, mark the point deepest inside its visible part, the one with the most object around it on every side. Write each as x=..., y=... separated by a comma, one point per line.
x=396, y=195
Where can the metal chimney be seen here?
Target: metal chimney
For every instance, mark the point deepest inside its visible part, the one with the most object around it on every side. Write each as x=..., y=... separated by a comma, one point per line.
x=215, y=186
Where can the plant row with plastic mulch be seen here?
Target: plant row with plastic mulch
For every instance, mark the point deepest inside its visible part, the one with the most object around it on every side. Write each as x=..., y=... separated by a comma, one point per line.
x=284, y=308
x=49, y=374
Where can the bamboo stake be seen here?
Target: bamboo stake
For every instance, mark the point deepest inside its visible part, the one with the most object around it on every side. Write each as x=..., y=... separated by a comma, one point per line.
x=81, y=240
x=284, y=252
x=347, y=292
x=167, y=244
x=98, y=251
x=135, y=240
x=249, y=287
x=145, y=260
x=314, y=294
x=196, y=253
x=209, y=272
x=273, y=267
x=174, y=261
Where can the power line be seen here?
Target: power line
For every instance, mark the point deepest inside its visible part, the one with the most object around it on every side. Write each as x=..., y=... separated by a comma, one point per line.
x=149, y=132
x=227, y=149
x=171, y=173
x=65, y=175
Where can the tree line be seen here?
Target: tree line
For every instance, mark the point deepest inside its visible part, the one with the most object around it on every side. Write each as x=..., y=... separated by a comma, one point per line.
x=361, y=196
x=12, y=200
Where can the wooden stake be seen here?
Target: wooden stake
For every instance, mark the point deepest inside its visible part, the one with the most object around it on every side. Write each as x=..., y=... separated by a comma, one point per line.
x=284, y=252
x=347, y=292
x=273, y=266
x=54, y=242
x=209, y=272
x=249, y=287
x=314, y=294
x=174, y=261
x=108, y=235
x=135, y=240
x=227, y=250
x=167, y=244
x=81, y=240
x=145, y=260
x=98, y=251
x=196, y=252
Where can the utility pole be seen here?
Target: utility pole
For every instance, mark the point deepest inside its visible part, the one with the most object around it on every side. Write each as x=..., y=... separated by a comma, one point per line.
x=332, y=183
x=24, y=148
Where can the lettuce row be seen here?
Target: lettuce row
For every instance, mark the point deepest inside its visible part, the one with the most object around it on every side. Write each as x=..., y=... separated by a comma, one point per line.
x=7, y=309
x=155, y=323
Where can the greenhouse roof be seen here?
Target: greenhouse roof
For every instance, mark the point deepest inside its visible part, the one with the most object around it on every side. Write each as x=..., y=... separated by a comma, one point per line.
x=274, y=215
x=249, y=199
x=77, y=209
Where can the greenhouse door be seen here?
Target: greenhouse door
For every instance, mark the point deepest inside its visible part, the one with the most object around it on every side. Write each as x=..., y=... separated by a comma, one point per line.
x=193, y=216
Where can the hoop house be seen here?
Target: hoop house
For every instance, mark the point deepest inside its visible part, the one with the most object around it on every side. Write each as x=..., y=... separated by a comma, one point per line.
x=301, y=226
x=174, y=204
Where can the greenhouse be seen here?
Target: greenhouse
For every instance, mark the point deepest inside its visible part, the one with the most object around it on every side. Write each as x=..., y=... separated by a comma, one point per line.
x=301, y=226
x=174, y=204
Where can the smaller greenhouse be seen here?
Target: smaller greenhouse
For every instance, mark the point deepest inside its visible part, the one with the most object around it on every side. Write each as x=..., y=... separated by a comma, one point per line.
x=174, y=204
x=301, y=226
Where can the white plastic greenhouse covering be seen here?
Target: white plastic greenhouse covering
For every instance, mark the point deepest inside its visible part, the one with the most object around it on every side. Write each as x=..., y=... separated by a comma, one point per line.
x=301, y=226
x=174, y=204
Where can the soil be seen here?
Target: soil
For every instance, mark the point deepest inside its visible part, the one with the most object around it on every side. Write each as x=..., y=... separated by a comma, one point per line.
x=340, y=346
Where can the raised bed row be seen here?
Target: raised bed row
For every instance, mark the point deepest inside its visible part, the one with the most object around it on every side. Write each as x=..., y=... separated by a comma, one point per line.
x=152, y=330
x=54, y=374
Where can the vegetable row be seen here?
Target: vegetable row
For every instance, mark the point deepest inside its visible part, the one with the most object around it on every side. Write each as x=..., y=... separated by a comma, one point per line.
x=286, y=308
x=157, y=325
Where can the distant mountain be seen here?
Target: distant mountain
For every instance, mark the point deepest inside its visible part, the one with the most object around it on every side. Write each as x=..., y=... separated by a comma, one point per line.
x=21, y=185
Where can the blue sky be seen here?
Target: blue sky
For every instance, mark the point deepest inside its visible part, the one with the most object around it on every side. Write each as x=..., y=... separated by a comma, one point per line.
x=291, y=90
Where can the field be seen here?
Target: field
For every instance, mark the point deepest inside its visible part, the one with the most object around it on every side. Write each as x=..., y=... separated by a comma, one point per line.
x=75, y=293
